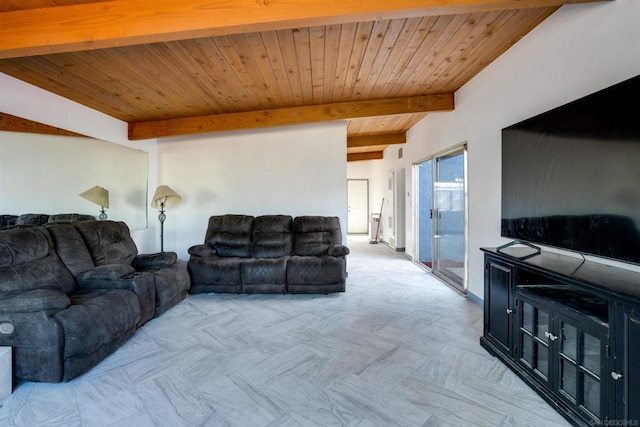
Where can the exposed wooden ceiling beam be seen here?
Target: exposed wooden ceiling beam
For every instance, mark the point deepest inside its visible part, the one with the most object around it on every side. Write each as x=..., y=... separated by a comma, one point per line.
x=379, y=139
x=11, y=123
x=290, y=116
x=123, y=22
x=372, y=155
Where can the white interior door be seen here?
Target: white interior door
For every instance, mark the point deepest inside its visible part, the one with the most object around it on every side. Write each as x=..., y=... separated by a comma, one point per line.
x=358, y=202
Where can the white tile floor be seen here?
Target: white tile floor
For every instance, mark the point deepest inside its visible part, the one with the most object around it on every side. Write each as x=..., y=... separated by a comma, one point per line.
x=399, y=348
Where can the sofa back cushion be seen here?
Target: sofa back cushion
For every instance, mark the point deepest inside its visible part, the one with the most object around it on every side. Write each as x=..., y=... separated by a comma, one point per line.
x=313, y=235
x=7, y=220
x=230, y=235
x=272, y=236
x=32, y=219
x=28, y=261
x=70, y=217
x=109, y=242
x=70, y=247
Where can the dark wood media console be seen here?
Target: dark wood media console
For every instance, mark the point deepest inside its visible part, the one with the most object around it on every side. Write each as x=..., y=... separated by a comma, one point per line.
x=569, y=328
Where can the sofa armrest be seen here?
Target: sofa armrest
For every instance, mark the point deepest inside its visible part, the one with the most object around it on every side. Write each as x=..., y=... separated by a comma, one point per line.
x=34, y=300
x=31, y=329
x=338, y=250
x=141, y=283
x=202, y=250
x=154, y=261
x=104, y=272
x=117, y=276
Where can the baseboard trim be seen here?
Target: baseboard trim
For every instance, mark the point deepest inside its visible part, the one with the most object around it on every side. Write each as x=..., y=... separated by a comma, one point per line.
x=475, y=299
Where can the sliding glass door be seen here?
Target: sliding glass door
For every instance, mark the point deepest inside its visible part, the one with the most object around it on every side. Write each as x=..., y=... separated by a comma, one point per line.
x=441, y=216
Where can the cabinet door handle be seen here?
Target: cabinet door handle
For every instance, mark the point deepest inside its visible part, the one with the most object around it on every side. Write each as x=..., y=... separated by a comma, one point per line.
x=616, y=376
x=550, y=336
x=509, y=311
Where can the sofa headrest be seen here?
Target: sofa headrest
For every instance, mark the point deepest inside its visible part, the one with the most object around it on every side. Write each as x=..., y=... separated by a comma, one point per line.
x=272, y=236
x=109, y=242
x=70, y=217
x=230, y=234
x=7, y=220
x=32, y=219
x=313, y=235
x=22, y=245
x=28, y=261
x=70, y=247
x=269, y=224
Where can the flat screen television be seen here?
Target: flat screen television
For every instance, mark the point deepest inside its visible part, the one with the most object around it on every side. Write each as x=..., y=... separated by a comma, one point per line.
x=571, y=176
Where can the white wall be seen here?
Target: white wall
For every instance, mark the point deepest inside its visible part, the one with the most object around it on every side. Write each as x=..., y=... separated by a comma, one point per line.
x=47, y=173
x=30, y=102
x=23, y=100
x=578, y=50
x=372, y=171
x=298, y=170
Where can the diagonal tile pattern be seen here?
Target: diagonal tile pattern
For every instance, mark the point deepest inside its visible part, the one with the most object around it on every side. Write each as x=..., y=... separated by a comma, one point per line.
x=399, y=348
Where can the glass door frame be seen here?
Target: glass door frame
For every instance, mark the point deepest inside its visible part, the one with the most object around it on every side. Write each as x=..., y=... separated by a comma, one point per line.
x=457, y=149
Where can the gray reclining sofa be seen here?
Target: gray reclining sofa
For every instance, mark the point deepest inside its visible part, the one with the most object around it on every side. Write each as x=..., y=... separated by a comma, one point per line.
x=269, y=254
x=71, y=294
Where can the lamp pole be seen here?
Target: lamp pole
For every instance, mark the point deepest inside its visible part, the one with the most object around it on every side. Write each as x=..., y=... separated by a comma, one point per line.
x=162, y=217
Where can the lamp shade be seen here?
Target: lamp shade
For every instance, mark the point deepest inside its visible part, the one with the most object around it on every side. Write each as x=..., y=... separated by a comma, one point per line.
x=164, y=194
x=97, y=195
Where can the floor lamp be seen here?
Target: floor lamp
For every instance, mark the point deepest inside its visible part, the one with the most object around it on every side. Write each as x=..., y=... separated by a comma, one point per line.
x=164, y=197
x=99, y=196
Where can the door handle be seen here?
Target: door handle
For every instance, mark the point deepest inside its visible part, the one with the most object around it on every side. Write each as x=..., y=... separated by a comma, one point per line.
x=550, y=336
x=616, y=376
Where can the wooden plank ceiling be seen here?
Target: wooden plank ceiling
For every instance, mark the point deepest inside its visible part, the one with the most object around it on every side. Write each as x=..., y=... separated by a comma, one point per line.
x=171, y=67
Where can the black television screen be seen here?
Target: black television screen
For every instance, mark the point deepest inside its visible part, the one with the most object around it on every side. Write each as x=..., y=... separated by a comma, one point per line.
x=571, y=176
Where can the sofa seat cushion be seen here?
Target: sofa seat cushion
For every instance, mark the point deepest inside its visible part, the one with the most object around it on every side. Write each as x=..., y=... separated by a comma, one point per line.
x=97, y=318
x=309, y=270
x=264, y=270
x=50, y=300
x=216, y=270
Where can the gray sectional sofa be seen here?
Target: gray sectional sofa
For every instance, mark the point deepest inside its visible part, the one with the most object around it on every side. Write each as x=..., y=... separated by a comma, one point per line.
x=269, y=254
x=71, y=294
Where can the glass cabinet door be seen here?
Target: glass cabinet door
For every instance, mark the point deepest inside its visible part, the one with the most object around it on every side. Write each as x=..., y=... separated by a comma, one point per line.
x=534, y=337
x=580, y=366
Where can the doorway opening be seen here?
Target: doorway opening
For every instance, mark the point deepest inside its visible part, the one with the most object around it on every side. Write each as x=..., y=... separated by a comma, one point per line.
x=358, y=206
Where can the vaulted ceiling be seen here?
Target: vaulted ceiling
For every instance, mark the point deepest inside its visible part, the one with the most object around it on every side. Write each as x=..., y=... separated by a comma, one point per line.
x=177, y=67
